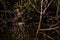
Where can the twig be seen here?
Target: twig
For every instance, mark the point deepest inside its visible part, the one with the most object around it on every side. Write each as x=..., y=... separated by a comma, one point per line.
x=53, y=25
x=2, y=2
x=47, y=6
x=49, y=29
x=34, y=6
x=6, y=11
x=47, y=36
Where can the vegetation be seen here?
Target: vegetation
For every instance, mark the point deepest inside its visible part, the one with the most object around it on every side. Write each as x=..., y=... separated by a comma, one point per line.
x=29, y=20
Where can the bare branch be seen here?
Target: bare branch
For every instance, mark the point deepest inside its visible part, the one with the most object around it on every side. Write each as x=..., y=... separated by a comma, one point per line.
x=49, y=29
x=34, y=6
x=47, y=36
x=47, y=6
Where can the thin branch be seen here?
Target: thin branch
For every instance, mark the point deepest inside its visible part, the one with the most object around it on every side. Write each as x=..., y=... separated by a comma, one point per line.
x=47, y=6
x=53, y=25
x=47, y=36
x=57, y=12
x=34, y=6
x=6, y=11
x=3, y=3
x=49, y=29
x=40, y=19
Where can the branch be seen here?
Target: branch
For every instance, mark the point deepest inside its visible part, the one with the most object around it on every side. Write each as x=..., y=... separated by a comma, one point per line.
x=47, y=35
x=40, y=19
x=34, y=6
x=49, y=29
x=47, y=6
x=3, y=3
x=6, y=11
